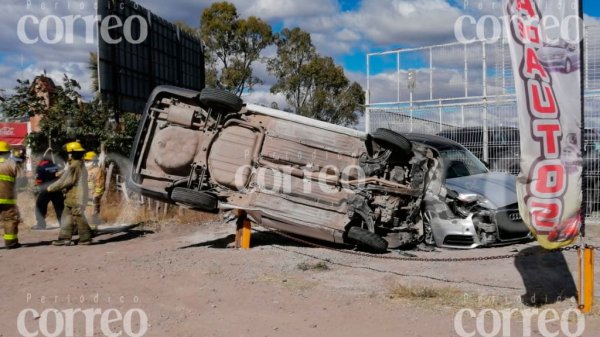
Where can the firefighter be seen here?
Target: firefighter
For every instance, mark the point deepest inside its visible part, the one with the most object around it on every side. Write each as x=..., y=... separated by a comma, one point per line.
x=73, y=184
x=46, y=174
x=18, y=156
x=9, y=213
x=96, y=177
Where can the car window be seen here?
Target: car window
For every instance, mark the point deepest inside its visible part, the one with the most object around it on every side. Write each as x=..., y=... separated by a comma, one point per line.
x=461, y=163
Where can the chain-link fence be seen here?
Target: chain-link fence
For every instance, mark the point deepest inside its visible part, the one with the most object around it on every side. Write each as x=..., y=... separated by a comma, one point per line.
x=465, y=92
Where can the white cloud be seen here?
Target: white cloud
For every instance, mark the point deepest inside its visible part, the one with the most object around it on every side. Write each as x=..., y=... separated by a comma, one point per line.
x=591, y=20
x=420, y=22
x=382, y=23
x=262, y=96
x=374, y=25
x=269, y=10
x=25, y=61
x=281, y=9
x=347, y=35
x=259, y=70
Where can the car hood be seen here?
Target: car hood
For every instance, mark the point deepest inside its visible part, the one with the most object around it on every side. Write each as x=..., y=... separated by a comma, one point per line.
x=551, y=52
x=497, y=187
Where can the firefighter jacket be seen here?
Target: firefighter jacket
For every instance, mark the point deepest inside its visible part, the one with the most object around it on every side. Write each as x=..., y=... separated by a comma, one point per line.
x=73, y=183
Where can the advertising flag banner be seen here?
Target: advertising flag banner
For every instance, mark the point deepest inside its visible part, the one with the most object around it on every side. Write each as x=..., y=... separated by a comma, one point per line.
x=544, y=38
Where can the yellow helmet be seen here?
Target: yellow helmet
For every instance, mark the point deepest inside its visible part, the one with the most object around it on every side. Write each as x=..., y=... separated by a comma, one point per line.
x=90, y=155
x=4, y=146
x=74, y=147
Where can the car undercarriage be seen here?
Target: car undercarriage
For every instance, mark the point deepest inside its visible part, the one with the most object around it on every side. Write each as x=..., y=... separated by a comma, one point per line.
x=208, y=151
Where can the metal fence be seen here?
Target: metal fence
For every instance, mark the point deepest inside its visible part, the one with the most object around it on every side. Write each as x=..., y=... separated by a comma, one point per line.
x=466, y=92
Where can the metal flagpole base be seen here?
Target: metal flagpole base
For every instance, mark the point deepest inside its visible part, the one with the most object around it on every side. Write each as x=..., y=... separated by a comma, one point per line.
x=585, y=296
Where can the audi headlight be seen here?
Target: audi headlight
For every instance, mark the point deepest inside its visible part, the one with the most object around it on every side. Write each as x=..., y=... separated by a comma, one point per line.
x=472, y=199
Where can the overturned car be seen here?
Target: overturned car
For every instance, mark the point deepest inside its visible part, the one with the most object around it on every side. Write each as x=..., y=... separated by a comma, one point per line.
x=208, y=151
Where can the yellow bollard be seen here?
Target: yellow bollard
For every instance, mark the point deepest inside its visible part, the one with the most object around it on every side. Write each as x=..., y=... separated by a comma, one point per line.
x=243, y=231
x=246, y=233
x=586, y=279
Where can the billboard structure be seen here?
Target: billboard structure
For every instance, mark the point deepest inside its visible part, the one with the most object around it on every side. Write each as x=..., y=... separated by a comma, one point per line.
x=138, y=50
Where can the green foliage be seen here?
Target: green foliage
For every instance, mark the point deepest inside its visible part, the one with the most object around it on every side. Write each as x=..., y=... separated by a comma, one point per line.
x=93, y=68
x=184, y=27
x=331, y=97
x=120, y=140
x=69, y=118
x=312, y=84
x=23, y=103
x=291, y=66
x=232, y=44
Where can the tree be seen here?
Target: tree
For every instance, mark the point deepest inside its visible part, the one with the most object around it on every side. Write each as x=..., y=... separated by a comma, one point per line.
x=331, y=96
x=120, y=139
x=312, y=84
x=69, y=118
x=232, y=46
x=184, y=27
x=294, y=52
x=93, y=68
x=23, y=103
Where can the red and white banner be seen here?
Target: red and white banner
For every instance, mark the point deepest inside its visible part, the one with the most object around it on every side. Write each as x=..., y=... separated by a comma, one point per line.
x=544, y=41
x=13, y=133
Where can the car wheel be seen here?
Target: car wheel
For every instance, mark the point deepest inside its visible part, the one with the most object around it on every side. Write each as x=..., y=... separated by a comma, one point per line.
x=367, y=240
x=200, y=200
x=392, y=140
x=220, y=100
x=568, y=66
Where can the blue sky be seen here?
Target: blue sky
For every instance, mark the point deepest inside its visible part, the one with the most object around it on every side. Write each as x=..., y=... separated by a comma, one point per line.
x=592, y=8
x=344, y=29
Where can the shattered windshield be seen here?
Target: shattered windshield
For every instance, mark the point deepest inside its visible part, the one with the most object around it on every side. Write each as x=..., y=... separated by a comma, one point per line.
x=461, y=163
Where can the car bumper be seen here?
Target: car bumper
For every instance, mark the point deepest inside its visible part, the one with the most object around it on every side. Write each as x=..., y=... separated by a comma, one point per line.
x=460, y=233
x=455, y=233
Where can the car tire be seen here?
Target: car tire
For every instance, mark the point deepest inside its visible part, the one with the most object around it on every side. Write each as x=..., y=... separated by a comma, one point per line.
x=392, y=140
x=199, y=200
x=367, y=240
x=568, y=66
x=220, y=100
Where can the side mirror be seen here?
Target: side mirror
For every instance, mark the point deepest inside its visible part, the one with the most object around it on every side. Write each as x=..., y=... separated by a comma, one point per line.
x=486, y=164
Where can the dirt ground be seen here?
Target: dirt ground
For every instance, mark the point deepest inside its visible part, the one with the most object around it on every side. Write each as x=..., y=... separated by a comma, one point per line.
x=184, y=280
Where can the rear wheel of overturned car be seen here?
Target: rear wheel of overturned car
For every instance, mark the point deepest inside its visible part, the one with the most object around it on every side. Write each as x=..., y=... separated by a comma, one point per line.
x=393, y=141
x=199, y=200
x=220, y=100
x=367, y=240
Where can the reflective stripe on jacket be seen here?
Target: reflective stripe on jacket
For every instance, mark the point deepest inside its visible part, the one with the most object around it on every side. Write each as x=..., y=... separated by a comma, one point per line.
x=10, y=237
x=8, y=175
